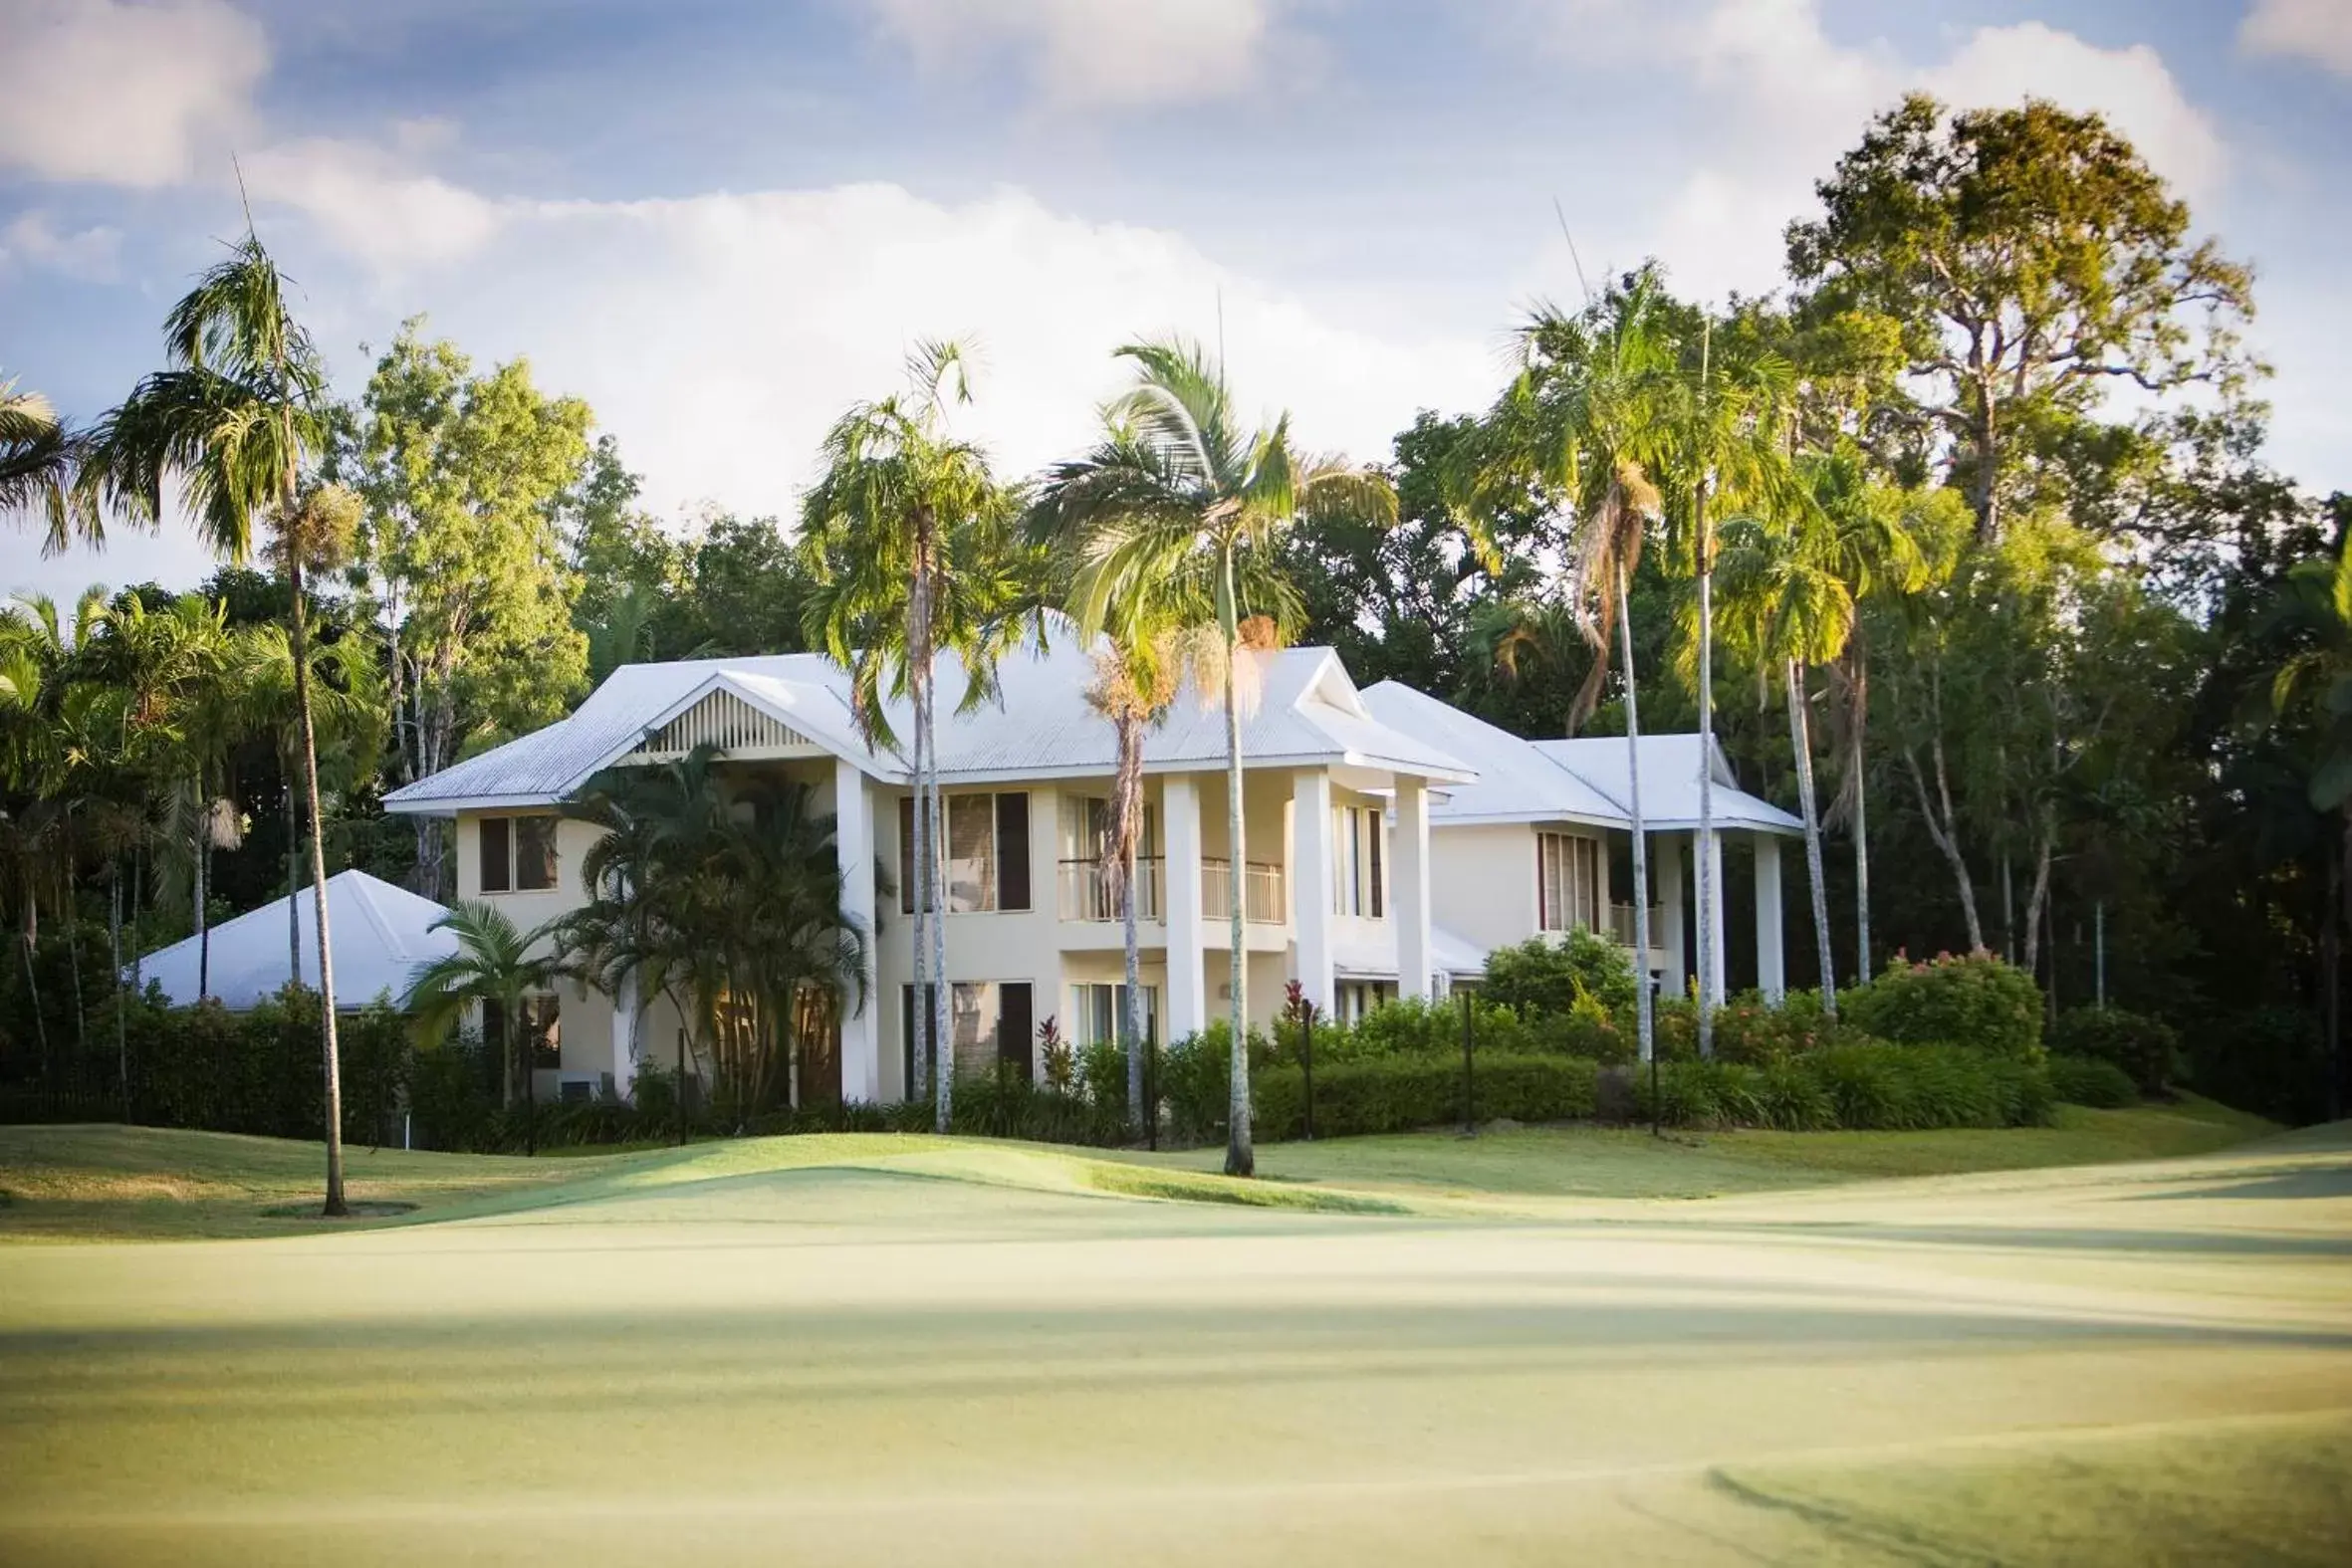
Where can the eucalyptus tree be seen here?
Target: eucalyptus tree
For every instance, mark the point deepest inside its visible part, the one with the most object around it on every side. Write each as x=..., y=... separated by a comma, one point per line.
x=1794, y=580
x=237, y=412
x=464, y=476
x=40, y=463
x=911, y=540
x=1586, y=418
x=1180, y=498
x=495, y=967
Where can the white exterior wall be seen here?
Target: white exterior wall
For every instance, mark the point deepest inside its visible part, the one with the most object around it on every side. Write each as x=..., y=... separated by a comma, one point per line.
x=1482, y=884
x=585, y=1037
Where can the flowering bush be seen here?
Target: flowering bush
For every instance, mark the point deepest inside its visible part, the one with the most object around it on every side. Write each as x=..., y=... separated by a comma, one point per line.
x=1976, y=1002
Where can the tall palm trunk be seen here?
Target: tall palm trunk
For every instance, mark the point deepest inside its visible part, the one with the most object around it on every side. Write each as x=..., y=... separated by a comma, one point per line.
x=2331, y=980
x=1801, y=742
x=1241, y=1155
x=1704, y=871
x=920, y=1046
x=335, y=1205
x=293, y=882
x=29, y=948
x=1643, y=1015
x=203, y=875
x=121, y=1011
x=1860, y=698
x=943, y=1083
x=1130, y=812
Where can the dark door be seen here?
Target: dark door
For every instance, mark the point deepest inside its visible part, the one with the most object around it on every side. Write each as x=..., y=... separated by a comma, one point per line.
x=1016, y=1029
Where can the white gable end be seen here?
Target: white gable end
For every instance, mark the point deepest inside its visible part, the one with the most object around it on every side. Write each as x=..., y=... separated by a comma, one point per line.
x=735, y=727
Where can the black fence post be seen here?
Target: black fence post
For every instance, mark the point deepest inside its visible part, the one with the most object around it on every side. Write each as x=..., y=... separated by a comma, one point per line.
x=1468, y=1080
x=1306, y=1063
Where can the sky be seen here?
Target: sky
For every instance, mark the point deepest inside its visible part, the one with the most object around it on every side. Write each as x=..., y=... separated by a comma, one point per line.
x=721, y=221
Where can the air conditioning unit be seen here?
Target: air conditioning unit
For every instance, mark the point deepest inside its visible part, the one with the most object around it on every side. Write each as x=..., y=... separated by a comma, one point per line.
x=580, y=1088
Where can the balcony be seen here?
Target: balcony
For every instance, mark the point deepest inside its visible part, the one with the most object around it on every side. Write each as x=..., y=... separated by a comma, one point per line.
x=1263, y=899
x=1621, y=926
x=1084, y=889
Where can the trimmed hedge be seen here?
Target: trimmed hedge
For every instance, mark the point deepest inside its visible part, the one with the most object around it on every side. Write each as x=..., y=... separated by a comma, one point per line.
x=2086, y=1080
x=1875, y=1087
x=1399, y=1093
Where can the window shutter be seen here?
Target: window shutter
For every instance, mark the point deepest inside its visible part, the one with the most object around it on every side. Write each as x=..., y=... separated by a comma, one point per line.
x=906, y=865
x=1013, y=850
x=1376, y=829
x=1016, y=1028
x=497, y=854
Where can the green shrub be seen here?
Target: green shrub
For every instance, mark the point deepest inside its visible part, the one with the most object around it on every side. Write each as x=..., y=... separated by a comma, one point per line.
x=2088, y=1080
x=1400, y=1092
x=1976, y=1002
x=1790, y=1095
x=1195, y=1080
x=1750, y=1029
x=2146, y=1049
x=2269, y=1060
x=1542, y=976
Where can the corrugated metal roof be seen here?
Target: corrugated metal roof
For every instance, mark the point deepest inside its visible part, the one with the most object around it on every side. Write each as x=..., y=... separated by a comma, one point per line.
x=1516, y=783
x=1669, y=781
x=1037, y=724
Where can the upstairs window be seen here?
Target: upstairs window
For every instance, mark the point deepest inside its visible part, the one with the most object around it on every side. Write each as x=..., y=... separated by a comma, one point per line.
x=1567, y=881
x=518, y=853
x=986, y=865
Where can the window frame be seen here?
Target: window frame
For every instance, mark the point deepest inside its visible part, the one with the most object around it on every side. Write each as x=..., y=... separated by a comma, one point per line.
x=505, y=828
x=1003, y=812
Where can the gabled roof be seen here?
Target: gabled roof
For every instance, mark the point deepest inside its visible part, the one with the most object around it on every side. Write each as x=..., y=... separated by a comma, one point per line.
x=1516, y=783
x=1037, y=725
x=1669, y=781
x=381, y=933
x=1580, y=780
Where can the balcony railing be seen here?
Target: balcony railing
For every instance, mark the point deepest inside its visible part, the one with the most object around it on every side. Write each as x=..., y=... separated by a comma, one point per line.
x=1621, y=925
x=1264, y=902
x=1086, y=890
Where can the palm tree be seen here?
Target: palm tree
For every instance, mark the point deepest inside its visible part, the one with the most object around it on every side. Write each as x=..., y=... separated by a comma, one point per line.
x=728, y=903
x=240, y=406
x=39, y=459
x=1136, y=676
x=1586, y=418
x=908, y=537
x=1725, y=426
x=1180, y=499
x=494, y=967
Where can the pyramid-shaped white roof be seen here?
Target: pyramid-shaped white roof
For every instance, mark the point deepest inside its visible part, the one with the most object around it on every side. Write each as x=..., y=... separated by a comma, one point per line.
x=381, y=934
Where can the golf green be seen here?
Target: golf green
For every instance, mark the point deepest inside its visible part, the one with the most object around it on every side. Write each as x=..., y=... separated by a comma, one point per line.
x=870, y=1360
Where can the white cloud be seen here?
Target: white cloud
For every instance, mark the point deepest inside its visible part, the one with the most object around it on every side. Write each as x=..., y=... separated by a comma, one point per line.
x=32, y=240
x=374, y=203
x=719, y=335
x=1092, y=52
x=120, y=94
x=1781, y=100
x=2319, y=31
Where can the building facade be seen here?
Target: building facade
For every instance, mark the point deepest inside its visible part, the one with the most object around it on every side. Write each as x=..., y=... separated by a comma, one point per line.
x=1388, y=842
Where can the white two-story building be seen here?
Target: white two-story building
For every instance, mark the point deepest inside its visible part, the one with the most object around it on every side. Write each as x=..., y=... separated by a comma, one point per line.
x=1389, y=842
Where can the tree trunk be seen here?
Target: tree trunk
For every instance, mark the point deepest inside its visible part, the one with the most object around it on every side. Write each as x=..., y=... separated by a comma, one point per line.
x=293, y=882
x=1801, y=742
x=2335, y=1045
x=29, y=948
x=1945, y=835
x=2331, y=980
x=527, y=1048
x=1643, y=1011
x=1708, y=891
x=1861, y=867
x=1240, y=1153
x=121, y=1008
x=943, y=1083
x=335, y=1205
x=2038, y=898
x=920, y=1049
x=203, y=874
x=1130, y=835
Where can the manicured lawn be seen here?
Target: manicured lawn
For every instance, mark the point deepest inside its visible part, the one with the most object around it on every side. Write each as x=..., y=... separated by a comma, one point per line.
x=1606, y=1162
x=118, y=1183
x=891, y=1351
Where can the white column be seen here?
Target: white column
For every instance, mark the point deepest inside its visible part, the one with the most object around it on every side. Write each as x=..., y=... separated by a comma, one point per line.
x=1772, y=975
x=853, y=848
x=1180, y=897
x=1312, y=915
x=1715, y=922
x=1666, y=869
x=1414, y=959
x=625, y=1010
